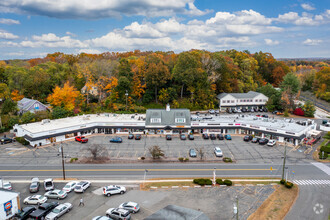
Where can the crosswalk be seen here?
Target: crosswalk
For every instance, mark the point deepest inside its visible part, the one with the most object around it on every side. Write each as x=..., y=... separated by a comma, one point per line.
x=312, y=182
x=322, y=167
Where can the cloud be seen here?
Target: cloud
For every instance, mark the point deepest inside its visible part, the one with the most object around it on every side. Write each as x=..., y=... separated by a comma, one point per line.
x=89, y=51
x=6, y=35
x=271, y=42
x=70, y=34
x=242, y=17
x=312, y=42
x=304, y=19
x=88, y=9
x=307, y=7
x=8, y=21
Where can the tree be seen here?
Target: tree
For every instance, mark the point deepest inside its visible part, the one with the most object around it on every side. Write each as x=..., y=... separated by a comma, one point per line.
x=156, y=152
x=201, y=153
x=59, y=112
x=28, y=117
x=291, y=88
x=299, y=111
x=15, y=96
x=98, y=152
x=8, y=106
x=67, y=97
x=309, y=109
x=274, y=96
x=4, y=91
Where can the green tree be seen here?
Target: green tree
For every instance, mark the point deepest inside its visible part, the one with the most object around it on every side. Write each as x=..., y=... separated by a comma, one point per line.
x=291, y=88
x=59, y=112
x=8, y=106
x=4, y=91
x=27, y=117
x=274, y=95
x=309, y=109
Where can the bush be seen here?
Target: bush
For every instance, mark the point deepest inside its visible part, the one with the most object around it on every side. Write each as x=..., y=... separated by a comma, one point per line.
x=185, y=159
x=180, y=159
x=325, y=148
x=143, y=158
x=73, y=159
x=282, y=181
x=299, y=111
x=288, y=185
x=202, y=182
x=22, y=140
x=219, y=181
x=227, y=159
x=228, y=182
x=325, y=156
x=286, y=113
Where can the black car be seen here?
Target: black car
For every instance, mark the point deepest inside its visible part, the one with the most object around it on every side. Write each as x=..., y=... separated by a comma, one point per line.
x=168, y=137
x=234, y=110
x=25, y=212
x=246, y=138
x=138, y=137
x=6, y=140
x=206, y=136
x=213, y=137
x=244, y=110
x=248, y=110
x=255, y=140
x=229, y=110
x=260, y=110
x=220, y=136
x=183, y=137
x=130, y=136
x=274, y=112
x=43, y=210
x=265, y=116
x=263, y=141
x=191, y=137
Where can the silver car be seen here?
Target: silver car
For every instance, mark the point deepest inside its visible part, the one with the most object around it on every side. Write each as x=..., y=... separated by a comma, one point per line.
x=118, y=213
x=132, y=207
x=58, y=211
x=56, y=194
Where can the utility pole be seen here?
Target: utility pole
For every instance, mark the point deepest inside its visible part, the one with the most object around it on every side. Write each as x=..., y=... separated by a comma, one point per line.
x=63, y=168
x=126, y=94
x=237, y=207
x=284, y=160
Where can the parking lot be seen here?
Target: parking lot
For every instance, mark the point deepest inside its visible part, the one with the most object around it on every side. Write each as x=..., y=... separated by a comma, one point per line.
x=215, y=202
x=130, y=149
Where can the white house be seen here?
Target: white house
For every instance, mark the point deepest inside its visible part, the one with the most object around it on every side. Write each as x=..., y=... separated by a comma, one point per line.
x=239, y=100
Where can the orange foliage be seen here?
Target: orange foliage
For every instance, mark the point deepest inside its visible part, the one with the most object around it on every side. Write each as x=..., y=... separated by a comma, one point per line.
x=15, y=96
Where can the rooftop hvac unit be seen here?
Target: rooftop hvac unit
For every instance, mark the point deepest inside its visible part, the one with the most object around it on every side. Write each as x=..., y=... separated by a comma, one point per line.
x=106, y=114
x=45, y=121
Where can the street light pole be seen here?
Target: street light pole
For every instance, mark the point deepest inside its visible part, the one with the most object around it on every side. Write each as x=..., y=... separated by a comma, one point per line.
x=144, y=178
x=237, y=207
x=214, y=176
x=126, y=94
x=284, y=160
x=63, y=168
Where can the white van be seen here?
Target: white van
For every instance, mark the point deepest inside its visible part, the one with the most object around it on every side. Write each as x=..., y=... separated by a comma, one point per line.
x=48, y=184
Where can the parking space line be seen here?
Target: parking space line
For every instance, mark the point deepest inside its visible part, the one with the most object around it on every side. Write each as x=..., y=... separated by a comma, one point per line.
x=135, y=154
x=21, y=152
x=118, y=154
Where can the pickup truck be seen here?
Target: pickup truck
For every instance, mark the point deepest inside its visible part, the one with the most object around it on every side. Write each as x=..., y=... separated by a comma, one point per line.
x=81, y=139
x=43, y=210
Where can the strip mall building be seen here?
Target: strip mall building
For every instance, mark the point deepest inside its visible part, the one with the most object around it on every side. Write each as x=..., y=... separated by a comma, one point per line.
x=162, y=121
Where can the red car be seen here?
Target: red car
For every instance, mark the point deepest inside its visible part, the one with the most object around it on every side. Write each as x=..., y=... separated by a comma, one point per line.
x=82, y=139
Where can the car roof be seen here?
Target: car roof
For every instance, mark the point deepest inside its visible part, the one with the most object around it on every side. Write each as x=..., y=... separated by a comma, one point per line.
x=111, y=186
x=48, y=180
x=72, y=182
x=56, y=190
x=35, y=179
x=217, y=148
x=60, y=206
x=36, y=196
x=121, y=210
x=131, y=203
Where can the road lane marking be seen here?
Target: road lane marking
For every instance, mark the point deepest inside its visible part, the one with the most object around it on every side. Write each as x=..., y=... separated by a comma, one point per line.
x=322, y=167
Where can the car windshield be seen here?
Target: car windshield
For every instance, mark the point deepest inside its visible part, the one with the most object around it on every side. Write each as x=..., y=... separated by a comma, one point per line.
x=56, y=210
x=218, y=150
x=34, y=184
x=41, y=197
x=78, y=187
x=6, y=185
x=49, y=183
x=61, y=192
x=67, y=186
x=125, y=214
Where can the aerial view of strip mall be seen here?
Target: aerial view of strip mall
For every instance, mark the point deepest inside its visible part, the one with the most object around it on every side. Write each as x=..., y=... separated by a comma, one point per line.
x=164, y=110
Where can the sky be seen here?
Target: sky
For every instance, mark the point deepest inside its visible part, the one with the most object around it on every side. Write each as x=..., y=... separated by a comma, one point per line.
x=285, y=28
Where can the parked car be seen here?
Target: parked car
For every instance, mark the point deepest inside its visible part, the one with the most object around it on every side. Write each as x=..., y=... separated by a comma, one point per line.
x=264, y=116
x=227, y=137
x=58, y=211
x=6, y=185
x=218, y=152
x=234, y=110
x=113, y=189
x=35, y=184
x=82, y=186
x=6, y=140
x=260, y=110
x=213, y=137
x=101, y=218
x=81, y=139
x=69, y=186
x=168, y=137
x=130, y=136
x=279, y=113
x=116, y=140
x=263, y=141
x=252, y=110
x=138, y=137
x=56, y=194
x=216, y=111
x=192, y=153
x=43, y=210
x=24, y=213
x=191, y=137
x=220, y=136
x=132, y=207
x=229, y=110
x=246, y=138
x=118, y=214
x=255, y=140
x=211, y=111
x=271, y=143
x=48, y=184
x=238, y=110
x=244, y=110
x=274, y=112
x=35, y=200
x=205, y=136
x=183, y=137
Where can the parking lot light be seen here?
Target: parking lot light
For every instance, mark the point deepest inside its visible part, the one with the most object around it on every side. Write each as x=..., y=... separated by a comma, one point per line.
x=145, y=174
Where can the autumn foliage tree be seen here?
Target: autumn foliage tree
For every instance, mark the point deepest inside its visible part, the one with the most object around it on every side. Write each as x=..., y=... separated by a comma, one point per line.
x=67, y=97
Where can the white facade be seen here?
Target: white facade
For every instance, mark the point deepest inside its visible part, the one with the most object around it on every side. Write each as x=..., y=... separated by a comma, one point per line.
x=9, y=204
x=242, y=99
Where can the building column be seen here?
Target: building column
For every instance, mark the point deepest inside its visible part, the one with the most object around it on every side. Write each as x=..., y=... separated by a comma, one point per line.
x=262, y=135
x=295, y=142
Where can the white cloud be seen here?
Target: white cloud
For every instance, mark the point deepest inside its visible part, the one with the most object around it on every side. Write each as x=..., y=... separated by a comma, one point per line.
x=6, y=35
x=8, y=21
x=90, y=51
x=312, y=42
x=271, y=42
x=304, y=19
x=70, y=34
x=89, y=9
x=307, y=7
x=239, y=18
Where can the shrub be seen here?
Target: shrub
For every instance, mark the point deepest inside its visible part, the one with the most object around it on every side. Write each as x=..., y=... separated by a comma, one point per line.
x=73, y=159
x=208, y=182
x=325, y=156
x=22, y=140
x=282, y=181
x=288, y=185
x=227, y=159
x=219, y=181
x=286, y=113
x=202, y=182
x=228, y=182
x=185, y=159
x=299, y=111
x=180, y=159
x=325, y=148
x=143, y=158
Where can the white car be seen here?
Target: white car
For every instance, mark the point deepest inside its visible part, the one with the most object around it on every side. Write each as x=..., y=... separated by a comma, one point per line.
x=101, y=218
x=218, y=152
x=58, y=211
x=6, y=185
x=82, y=186
x=211, y=111
x=113, y=189
x=48, y=184
x=35, y=200
x=69, y=186
x=56, y=194
x=271, y=143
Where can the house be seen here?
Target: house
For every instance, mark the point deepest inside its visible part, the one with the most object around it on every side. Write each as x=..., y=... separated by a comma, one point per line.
x=30, y=105
x=239, y=100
